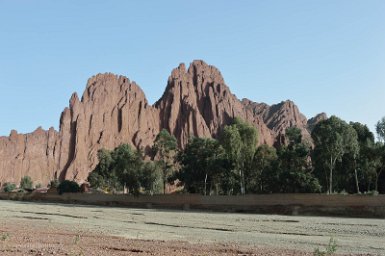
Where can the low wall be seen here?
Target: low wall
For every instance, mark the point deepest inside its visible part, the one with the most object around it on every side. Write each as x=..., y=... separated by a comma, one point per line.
x=288, y=204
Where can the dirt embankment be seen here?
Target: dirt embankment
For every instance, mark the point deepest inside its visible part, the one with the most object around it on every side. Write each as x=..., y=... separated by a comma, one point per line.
x=287, y=204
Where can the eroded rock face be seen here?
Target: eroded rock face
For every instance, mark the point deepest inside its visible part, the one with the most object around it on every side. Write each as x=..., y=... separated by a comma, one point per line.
x=113, y=110
x=33, y=154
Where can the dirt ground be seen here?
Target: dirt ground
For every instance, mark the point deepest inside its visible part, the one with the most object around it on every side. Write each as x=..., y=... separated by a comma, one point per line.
x=55, y=229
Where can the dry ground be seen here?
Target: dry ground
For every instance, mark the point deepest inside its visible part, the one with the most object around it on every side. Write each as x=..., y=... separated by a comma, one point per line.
x=56, y=229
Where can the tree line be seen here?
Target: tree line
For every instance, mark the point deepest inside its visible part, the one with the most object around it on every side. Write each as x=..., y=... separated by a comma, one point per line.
x=341, y=158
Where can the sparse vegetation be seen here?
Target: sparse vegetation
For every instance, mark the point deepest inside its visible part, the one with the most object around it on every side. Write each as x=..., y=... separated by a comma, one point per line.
x=26, y=183
x=330, y=249
x=54, y=183
x=9, y=187
x=4, y=236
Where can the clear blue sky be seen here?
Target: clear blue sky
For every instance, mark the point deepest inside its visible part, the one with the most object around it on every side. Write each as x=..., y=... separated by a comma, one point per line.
x=326, y=55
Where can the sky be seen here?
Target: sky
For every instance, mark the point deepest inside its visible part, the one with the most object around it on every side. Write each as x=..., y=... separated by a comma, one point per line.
x=326, y=56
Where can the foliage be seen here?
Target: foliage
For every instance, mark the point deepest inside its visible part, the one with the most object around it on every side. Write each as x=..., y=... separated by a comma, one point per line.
x=150, y=178
x=260, y=179
x=201, y=162
x=292, y=168
x=380, y=129
x=239, y=141
x=330, y=249
x=164, y=149
x=333, y=138
x=26, y=183
x=68, y=186
x=9, y=187
x=124, y=167
x=54, y=183
x=103, y=176
x=4, y=236
x=345, y=158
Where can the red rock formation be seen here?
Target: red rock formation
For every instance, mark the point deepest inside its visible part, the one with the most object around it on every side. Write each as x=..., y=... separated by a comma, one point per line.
x=113, y=110
x=32, y=154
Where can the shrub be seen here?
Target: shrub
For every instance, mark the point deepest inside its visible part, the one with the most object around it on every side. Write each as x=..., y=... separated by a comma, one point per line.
x=9, y=187
x=330, y=249
x=54, y=183
x=26, y=183
x=68, y=186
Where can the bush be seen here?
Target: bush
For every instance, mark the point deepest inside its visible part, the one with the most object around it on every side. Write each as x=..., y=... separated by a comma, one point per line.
x=330, y=249
x=26, y=183
x=68, y=186
x=9, y=187
x=54, y=183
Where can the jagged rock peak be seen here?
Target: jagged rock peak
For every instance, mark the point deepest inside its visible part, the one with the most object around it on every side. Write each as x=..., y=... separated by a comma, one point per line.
x=312, y=122
x=101, y=85
x=114, y=110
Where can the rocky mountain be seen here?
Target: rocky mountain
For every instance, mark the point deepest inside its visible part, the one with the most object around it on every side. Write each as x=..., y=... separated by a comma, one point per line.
x=114, y=110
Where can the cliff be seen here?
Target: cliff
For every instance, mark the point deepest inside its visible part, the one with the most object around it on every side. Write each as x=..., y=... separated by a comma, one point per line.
x=114, y=110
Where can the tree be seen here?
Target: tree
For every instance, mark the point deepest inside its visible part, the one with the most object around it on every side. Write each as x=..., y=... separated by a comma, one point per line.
x=332, y=138
x=150, y=177
x=126, y=165
x=201, y=164
x=361, y=162
x=26, y=183
x=231, y=141
x=380, y=129
x=292, y=167
x=260, y=176
x=104, y=176
x=240, y=141
x=68, y=186
x=164, y=148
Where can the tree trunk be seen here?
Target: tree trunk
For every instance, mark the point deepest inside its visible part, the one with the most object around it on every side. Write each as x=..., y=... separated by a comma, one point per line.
x=242, y=182
x=356, y=177
x=331, y=176
x=377, y=178
x=205, y=183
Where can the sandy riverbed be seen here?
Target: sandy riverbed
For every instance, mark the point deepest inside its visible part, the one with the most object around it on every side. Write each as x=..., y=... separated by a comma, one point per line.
x=44, y=229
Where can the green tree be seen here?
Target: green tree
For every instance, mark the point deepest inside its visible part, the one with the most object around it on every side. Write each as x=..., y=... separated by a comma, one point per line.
x=332, y=138
x=362, y=164
x=150, y=178
x=378, y=163
x=68, y=186
x=201, y=164
x=164, y=149
x=127, y=164
x=26, y=183
x=104, y=176
x=263, y=162
x=232, y=143
x=380, y=129
x=292, y=166
x=240, y=141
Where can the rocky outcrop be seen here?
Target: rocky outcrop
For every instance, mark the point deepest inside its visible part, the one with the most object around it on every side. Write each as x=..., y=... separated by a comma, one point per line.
x=34, y=154
x=315, y=120
x=114, y=110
